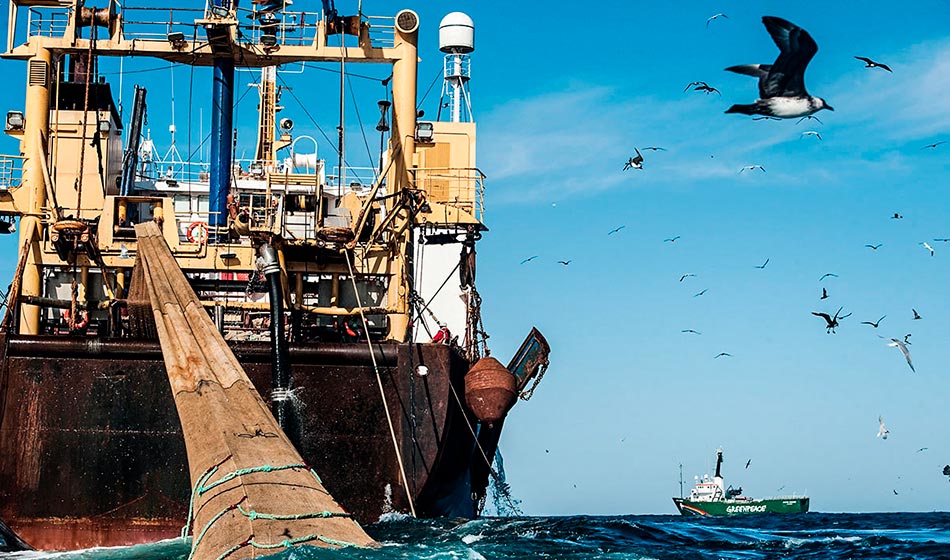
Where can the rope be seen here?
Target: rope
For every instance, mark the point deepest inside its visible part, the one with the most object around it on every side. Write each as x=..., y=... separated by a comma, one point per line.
x=379, y=381
x=287, y=543
x=254, y=515
x=85, y=119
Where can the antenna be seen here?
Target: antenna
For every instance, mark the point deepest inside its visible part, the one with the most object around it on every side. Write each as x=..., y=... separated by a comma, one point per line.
x=457, y=40
x=681, y=480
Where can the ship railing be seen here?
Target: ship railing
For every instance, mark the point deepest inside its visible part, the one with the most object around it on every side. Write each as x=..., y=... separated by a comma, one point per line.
x=382, y=31
x=48, y=21
x=356, y=179
x=11, y=172
x=148, y=23
x=460, y=187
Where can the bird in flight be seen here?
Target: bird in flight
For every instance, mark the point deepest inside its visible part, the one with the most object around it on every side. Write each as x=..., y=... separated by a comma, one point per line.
x=714, y=17
x=874, y=247
x=824, y=293
x=810, y=117
x=685, y=276
x=697, y=294
x=615, y=230
x=671, y=239
x=942, y=239
x=917, y=316
x=928, y=247
x=894, y=491
x=751, y=168
x=934, y=145
x=812, y=133
x=747, y=463
x=832, y=322
x=875, y=324
x=826, y=275
x=922, y=449
x=635, y=162
x=691, y=331
x=565, y=263
x=782, y=84
x=897, y=216
x=721, y=354
x=868, y=63
x=655, y=148
x=763, y=265
x=882, y=430
x=529, y=259
x=702, y=86
x=897, y=343
x=907, y=339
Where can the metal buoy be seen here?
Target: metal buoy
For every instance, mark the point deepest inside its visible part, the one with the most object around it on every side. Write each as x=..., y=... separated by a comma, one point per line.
x=489, y=390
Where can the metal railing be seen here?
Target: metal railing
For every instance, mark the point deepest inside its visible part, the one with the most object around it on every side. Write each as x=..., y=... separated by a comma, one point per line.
x=152, y=24
x=11, y=172
x=461, y=187
x=48, y=22
x=382, y=31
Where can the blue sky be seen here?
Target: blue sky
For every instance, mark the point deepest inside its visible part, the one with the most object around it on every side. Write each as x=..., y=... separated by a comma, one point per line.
x=562, y=96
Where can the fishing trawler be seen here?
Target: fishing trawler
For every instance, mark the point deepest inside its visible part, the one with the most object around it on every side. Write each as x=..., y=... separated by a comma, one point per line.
x=347, y=293
x=712, y=497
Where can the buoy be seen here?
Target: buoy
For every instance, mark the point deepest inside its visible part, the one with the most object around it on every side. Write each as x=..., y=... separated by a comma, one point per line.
x=489, y=390
x=198, y=233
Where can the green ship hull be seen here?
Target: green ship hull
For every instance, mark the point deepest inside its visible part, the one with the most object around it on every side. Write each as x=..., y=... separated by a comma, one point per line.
x=741, y=507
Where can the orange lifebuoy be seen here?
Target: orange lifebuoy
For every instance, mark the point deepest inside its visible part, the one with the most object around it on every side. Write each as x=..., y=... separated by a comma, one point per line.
x=202, y=233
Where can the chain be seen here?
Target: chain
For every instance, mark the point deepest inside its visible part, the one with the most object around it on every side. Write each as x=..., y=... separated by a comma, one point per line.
x=527, y=394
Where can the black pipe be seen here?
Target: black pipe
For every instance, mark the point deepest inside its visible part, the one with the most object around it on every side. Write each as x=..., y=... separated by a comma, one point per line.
x=130, y=161
x=281, y=403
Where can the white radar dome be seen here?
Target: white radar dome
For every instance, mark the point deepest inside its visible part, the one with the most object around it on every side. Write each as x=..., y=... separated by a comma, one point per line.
x=457, y=33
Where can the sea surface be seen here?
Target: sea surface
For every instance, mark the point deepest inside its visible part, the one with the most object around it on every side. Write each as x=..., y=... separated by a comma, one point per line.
x=812, y=536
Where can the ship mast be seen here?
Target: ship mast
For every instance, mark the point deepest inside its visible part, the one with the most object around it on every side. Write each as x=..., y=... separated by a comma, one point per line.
x=266, y=116
x=681, y=480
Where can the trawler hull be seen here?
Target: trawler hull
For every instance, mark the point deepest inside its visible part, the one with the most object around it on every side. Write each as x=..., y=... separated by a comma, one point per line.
x=91, y=451
x=740, y=507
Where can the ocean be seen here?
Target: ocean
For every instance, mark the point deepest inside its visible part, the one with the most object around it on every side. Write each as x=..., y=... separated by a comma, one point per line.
x=812, y=536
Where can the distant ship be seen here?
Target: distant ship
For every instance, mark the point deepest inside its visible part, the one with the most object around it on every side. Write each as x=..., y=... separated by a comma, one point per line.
x=712, y=497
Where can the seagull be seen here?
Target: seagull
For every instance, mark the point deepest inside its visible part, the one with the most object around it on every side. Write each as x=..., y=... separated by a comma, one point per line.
x=907, y=339
x=671, y=239
x=934, y=145
x=763, y=264
x=874, y=324
x=565, y=263
x=812, y=133
x=897, y=216
x=529, y=259
x=701, y=293
x=827, y=274
x=917, y=316
x=685, y=276
x=615, y=230
x=717, y=16
x=894, y=491
x=691, y=331
x=747, y=463
x=752, y=167
x=894, y=342
x=832, y=322
x=721, y=354
x=942, y=239
x=874, y=247
x=655, y=148
x=782, y=84
x=707, y=88
x=824, y=294
x=868, y=63
x=810, y=117
x=634, y=162
x=928, y=247
x=922, y=449
x=882, y=430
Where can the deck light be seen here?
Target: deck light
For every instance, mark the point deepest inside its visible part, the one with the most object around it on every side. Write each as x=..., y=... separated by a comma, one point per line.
x=177, y=39
x=15, y=120
x=424, y=132
x=268, y=40
x=104, y=127
x=220, y=11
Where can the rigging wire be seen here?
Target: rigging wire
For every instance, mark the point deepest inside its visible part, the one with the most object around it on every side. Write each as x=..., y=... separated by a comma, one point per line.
x=429, y=90
x=369, y=153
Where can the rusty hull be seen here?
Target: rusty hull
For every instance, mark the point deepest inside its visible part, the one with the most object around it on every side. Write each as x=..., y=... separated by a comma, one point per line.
x=91, y=451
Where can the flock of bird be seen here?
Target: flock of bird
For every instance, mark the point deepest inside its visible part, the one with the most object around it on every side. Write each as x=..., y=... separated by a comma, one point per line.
x=782, y=95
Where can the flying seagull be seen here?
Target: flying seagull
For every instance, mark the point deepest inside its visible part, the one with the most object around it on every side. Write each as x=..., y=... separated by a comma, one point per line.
x=942, y=239
x=897, y=216
x=868, y=63
x=634, y=162
x=671, y=239
x=832, y=322
x=917, y=316
x=751, y=168
x=812, y=133
x=529, y=259
x=721, y=354
x=810, y=117
x=928, y=247
x=685, y=276
x=701, y=293
x=565, y=263
x=655, y=148
x=922, y=449
x=703, y=86
x=717, y=16
x=875, y=324
x=691, y=331
x=894, y=491
x=763, y=265
x=747, y=463
x=782, y=84
x=824, y=293
x=874, y=247
x=882, y=430
x=934, y=145
x=826, y=275
x=907, y=339
x=895, y=342
x=615, y=230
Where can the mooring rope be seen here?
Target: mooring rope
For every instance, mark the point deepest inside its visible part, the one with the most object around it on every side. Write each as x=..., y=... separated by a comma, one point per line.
x=379, y=381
